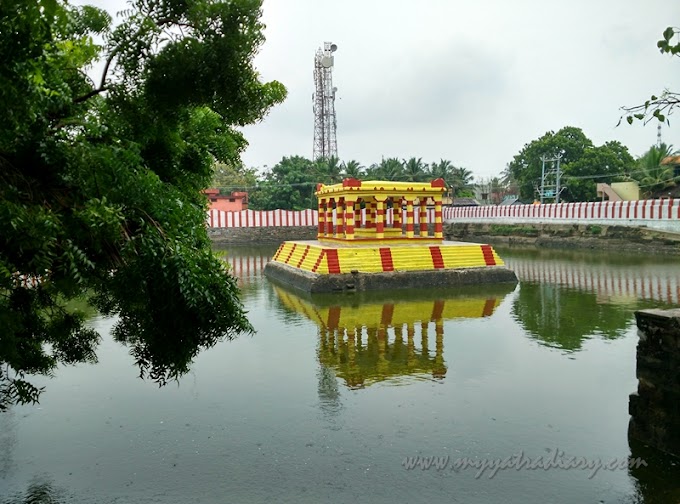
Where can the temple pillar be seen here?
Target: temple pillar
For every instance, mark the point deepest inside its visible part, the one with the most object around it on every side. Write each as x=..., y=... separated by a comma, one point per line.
x=438, y=221
x=409, y=218
x=357, y=214
x=396, y=213
x=329, y=217
x=370, y=209
x=322, y=218
x=423, y=217
x=340, y=218
x=380, y=217
x=349, y=218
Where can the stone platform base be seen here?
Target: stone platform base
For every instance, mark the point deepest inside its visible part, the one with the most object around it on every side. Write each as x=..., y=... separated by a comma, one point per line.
x=315, y=266
x=315, y=283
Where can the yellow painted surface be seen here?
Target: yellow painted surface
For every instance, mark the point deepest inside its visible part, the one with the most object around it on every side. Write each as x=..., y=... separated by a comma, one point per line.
x=628, y=191
x=305, y=255
x=392, y=315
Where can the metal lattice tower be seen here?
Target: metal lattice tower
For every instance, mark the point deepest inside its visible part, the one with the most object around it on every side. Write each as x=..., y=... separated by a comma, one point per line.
x=325, y=139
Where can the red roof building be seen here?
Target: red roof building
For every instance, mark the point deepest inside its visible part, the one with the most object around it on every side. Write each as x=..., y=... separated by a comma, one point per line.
x=234, y=202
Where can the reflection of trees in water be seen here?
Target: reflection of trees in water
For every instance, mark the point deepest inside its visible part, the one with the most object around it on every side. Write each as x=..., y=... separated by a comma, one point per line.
x=563, y=318
x=657, y=482
x=39, y=491
x=7, y=441
x=329, y=393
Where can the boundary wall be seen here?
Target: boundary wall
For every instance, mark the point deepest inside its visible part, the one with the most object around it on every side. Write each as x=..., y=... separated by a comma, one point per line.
x=662, y=215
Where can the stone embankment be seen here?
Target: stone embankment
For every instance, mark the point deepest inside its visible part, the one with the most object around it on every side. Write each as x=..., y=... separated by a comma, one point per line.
x=655, y=407
x=626, y=239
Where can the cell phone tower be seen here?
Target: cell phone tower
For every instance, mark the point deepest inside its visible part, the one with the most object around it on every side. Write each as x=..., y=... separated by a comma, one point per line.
x=325, y=138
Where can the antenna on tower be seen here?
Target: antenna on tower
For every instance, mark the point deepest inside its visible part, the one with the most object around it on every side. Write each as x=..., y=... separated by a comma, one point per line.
x=325, y=138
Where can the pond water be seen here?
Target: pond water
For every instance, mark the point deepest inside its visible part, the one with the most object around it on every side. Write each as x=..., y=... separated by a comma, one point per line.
x=335, y=396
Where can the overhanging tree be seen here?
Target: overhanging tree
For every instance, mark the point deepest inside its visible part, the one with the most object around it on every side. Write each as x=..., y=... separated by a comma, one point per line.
x=100, y=181
x=661, y=105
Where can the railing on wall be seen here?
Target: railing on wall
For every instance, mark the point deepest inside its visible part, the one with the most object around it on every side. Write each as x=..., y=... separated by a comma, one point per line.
x=643, y=209
x=659, y=214
x=285, y=218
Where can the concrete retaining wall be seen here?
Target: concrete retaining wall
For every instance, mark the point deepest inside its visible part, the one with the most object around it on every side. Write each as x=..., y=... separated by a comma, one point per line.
x=261, y=235
x=655, y=407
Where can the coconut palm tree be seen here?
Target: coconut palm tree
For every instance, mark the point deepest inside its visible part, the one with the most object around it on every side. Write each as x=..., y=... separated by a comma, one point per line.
x=352, y=169
x=651, y=174
x=414, y=170
x=442, y=169
x=328, y=170
x=387, y=169
x=461, y=181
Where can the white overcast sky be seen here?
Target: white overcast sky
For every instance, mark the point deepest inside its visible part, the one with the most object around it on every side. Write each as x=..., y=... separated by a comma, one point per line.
x=468, y=81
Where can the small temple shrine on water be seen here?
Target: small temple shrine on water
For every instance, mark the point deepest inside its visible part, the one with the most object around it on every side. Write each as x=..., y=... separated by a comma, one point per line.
x=368, y=239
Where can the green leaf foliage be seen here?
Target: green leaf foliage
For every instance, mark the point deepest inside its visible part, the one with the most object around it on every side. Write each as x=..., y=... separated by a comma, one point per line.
x=101, y=180
x=583, y=165
x=661, y=106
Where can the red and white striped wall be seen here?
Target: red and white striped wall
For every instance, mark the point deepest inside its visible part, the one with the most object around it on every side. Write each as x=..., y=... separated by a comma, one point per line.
x=285, y=218
x=663, y=215
x=262, y=218
x=658, y=214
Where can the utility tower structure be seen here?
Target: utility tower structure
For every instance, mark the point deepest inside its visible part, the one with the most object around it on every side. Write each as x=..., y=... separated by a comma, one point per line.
x=325, y=138
x=551, y=179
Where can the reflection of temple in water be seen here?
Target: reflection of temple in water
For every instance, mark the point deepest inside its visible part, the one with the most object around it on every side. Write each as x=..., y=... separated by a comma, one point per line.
x=366, y=340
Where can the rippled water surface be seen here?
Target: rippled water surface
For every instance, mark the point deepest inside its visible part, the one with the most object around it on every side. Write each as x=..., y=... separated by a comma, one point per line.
x=334, y=395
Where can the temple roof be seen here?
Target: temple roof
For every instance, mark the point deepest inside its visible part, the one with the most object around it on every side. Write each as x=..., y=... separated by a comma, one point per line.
x=387, y=187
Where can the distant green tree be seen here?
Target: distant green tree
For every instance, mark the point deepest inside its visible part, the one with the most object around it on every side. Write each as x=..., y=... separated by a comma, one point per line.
x=387, y=169
x=525, y=168
x=228, y=178
x=289, y=185
x=328, y=171
x=414, y=170
x=442, y=169
x=352, y=169
x=461, y=182
x=100, y=182
x=651, y=175
x=582, y=164
x=607, y=163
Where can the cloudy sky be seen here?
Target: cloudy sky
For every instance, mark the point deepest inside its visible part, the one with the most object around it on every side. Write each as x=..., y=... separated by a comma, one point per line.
x=470, y=81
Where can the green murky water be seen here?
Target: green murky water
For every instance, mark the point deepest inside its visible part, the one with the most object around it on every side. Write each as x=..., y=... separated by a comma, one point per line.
x=335, y=396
